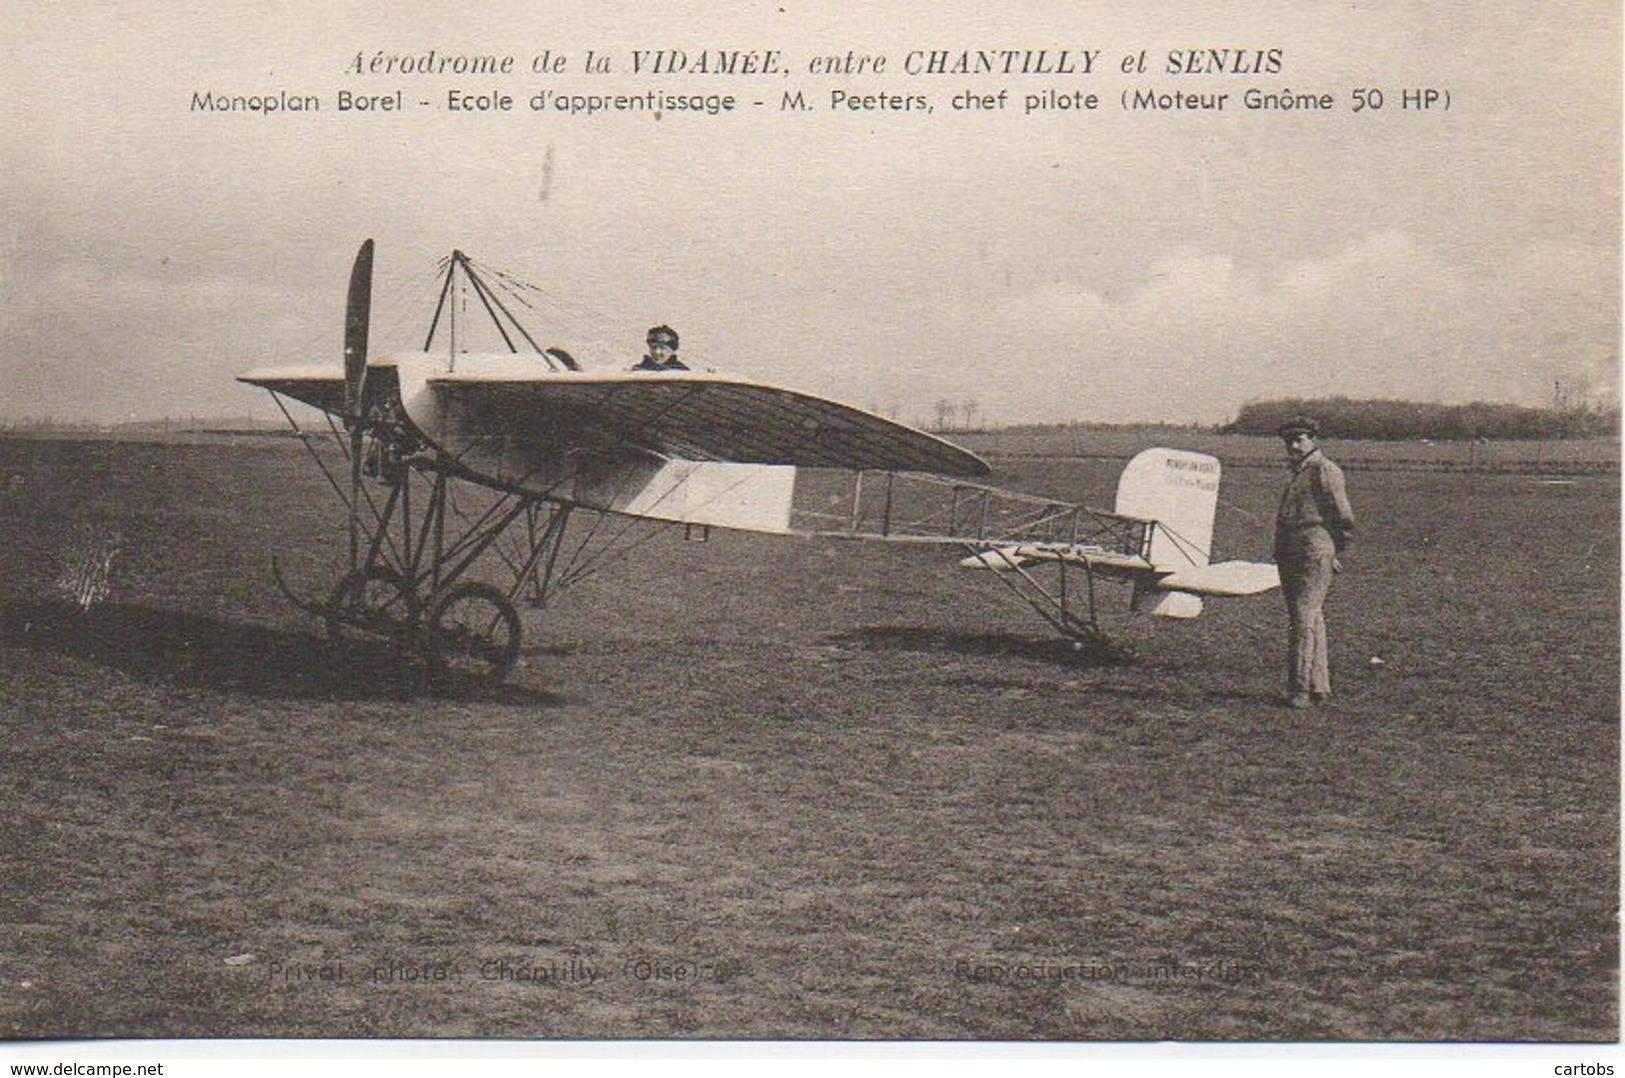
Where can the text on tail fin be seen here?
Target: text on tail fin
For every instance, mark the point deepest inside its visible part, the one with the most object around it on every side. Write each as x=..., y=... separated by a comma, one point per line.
x=1179, y=490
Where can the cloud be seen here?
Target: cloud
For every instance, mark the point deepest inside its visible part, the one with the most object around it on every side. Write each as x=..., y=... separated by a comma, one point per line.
x=1109, y=266
x=1378, y=316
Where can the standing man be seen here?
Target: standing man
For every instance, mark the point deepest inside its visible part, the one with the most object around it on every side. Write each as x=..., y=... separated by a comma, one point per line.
x=662, y=352
x=1312, y=527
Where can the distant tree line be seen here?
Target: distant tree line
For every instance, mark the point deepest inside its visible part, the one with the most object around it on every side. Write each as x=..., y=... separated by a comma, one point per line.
x=1390, y=420
x=952, y=415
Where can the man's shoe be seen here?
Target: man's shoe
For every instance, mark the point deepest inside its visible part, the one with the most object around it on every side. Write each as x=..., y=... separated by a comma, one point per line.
x=1298, y=701
x=1321, y=697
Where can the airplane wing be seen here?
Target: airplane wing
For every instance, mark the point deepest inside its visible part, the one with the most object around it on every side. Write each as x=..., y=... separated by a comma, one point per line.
x=318, y=384
x=694, y=416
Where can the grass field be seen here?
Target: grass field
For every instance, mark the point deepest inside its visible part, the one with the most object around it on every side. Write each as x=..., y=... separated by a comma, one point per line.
x=765, y=787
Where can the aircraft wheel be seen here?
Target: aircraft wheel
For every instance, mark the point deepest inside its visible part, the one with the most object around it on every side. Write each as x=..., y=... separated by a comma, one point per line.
x=473, y=631
x=374, y=599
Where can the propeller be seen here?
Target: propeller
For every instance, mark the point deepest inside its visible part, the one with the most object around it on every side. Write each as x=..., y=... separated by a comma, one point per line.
x=357, y=314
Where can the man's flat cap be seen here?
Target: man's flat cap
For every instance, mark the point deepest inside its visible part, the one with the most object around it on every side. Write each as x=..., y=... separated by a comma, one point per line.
x=1298, y=424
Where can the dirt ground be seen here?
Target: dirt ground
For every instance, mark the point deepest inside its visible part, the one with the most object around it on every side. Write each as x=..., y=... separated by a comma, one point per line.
x=762, y=787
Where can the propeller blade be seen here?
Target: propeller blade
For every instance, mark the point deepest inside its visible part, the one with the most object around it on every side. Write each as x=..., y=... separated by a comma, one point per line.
x=357, y=314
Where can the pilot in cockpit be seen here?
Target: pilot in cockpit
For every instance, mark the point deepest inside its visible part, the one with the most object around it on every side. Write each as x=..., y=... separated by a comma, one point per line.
x=662, y=352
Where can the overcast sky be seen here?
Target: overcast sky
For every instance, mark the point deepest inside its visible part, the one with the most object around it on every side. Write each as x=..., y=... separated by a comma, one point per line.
x=1110, y=266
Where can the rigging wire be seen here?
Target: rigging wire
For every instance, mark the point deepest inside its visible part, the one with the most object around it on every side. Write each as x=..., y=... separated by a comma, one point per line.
x=582, y=323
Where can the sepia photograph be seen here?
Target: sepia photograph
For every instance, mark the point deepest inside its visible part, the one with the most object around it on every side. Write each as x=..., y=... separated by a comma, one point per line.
x=966, y=524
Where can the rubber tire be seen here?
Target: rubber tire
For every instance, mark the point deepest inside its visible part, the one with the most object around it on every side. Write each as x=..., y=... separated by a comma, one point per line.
x=500, y=654
x=356, y=581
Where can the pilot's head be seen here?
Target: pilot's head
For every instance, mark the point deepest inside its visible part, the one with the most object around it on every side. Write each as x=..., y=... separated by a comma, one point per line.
x=662, y=343
x=1298, y=434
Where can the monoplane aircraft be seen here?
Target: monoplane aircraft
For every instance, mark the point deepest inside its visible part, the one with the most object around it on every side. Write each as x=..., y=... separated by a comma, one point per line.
x=466, y=469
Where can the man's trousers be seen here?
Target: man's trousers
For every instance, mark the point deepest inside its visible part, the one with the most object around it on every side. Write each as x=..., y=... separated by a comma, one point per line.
x=1305, y=557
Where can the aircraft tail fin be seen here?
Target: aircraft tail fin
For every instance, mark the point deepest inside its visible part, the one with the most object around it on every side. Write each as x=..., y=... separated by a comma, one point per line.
x=1166, y=604
x=1179, y=490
